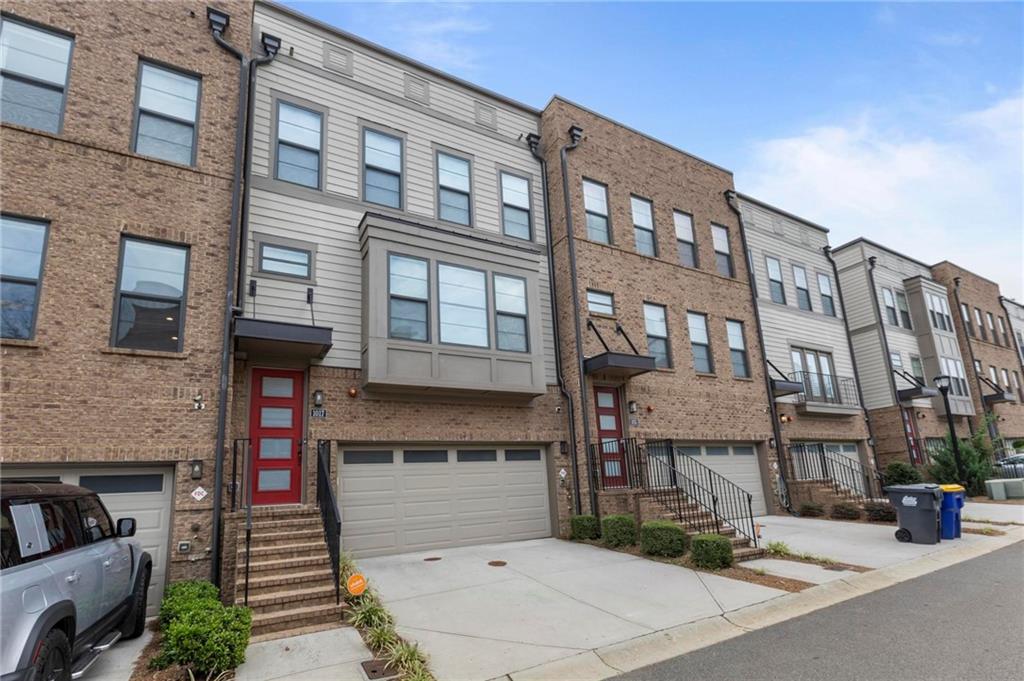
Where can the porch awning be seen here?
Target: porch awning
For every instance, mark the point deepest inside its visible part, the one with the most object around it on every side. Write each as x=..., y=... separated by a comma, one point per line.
x=998, y=398
x=618, y=364
x=261, y=336
x=918, y=392
x=782, y=387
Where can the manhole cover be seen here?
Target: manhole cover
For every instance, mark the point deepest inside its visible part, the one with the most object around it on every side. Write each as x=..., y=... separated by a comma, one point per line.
x=497, y=563
x=378, y=669
x=431, y=559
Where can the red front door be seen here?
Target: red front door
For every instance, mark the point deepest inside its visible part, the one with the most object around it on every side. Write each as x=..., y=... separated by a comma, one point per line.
x=275, y=433
x=609, y=435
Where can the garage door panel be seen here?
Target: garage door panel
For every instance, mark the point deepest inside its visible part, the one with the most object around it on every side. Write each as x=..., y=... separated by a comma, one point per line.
x=427, y=509
x=430, y=482
x=428, y=536
x=370, y=512
x=370, y=483
x=525, y=501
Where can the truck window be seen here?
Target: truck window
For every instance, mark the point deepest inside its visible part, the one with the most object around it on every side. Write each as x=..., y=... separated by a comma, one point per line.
x=96, y=524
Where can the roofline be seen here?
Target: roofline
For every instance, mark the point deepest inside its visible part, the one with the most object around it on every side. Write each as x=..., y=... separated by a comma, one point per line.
x=635, y=131
x=363, y=42
x=791, y=216
x=865, y=240
x=1011, y=301
x=964, y=269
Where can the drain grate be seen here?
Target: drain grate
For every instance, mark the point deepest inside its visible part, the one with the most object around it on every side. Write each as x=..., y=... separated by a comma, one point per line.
x=431, y=559
x=497, y=563
x=378, y=669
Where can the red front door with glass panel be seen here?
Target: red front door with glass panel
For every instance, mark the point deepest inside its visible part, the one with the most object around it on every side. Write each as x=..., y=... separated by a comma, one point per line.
x=275, y=436
x=609, y=435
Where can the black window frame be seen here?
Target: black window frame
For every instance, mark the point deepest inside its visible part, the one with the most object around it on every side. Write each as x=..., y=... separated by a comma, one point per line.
x=182, y=301
x=668, y=363
x=468, y=160
x=263, y=242
x=638, y=228
x=803, y=293
x=903, y=307
x=965, y=317
x=892, y=316
x=70, y=37
x=611, y=296
x=723, y=256
x=776, y=287
x=278, y=101
x=24, y=281
x=828, y=301
x=606, y=215
x=525, y=316
x=137, y=113
x=392, y=296
x=690, y=245
x=741, y=352
x=706, y=345
x=504, y=204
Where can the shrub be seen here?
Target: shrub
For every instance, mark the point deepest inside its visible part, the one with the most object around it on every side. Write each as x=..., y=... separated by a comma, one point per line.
x=711, y=551
x=663, y=538
x=976, y=453
x=381, y=637
x=369, y=613
x=810, y=510
x=584, y=527
x=211, y=640
x=901, y=473
x=778, y=548
x=182, y=597
x=618, y=530
x=844, y=511
x=880, y=512
x=405, y=656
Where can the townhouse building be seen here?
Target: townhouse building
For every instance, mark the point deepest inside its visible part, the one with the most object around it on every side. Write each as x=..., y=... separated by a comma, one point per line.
x=989, y=344
x=825, y=430
x=118, y=141
x=658, y=331
x=901, y=326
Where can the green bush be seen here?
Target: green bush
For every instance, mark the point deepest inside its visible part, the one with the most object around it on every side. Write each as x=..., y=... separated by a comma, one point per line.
x=901, y=473
x=845, y=511
x=976, y=453
x=584, y=527
x=210, y=640
x=663, y=538
x=618, y=530
x=711, y=551
x=182, y=597
x=810, y=510
x=880, y=512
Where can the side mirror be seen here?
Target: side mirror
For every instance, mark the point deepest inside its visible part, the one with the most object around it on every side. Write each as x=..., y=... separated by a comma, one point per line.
x=126, y=527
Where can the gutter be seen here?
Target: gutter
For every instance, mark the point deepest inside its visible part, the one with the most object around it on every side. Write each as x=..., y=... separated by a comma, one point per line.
x=853, y=357
x=533, y=141
x=730, y=199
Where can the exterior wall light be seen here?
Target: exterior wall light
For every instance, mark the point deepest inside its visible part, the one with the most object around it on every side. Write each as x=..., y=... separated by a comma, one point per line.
x=633, y=408
x=271, y=44
x=195, y=469
x=218, y=20
x=318, y=398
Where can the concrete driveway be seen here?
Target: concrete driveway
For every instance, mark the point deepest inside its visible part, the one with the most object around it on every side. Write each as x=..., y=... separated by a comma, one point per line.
x=552, y=599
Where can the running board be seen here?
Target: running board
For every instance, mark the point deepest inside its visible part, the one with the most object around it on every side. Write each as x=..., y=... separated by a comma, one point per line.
x=83, y=663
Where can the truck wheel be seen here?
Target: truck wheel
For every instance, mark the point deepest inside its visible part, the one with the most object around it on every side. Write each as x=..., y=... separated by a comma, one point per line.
x=53, y=662
x=135, y=620
x=903, y=535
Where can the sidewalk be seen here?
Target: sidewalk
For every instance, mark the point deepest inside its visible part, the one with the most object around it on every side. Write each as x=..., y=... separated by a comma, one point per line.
x=1001, y=513
x=333, y=654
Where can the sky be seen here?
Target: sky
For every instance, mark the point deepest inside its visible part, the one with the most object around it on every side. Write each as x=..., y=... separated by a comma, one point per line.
x=899, y=122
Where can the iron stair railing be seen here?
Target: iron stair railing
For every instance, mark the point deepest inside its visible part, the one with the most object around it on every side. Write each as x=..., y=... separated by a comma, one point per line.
x=844, y=475
x=241, y=497
x=329, y=512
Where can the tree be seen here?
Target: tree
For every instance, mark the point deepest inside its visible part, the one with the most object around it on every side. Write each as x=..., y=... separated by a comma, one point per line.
x=976, y=452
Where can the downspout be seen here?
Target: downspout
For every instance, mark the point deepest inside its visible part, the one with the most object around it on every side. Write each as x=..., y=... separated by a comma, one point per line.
x=534, y=141
x=730, y=199
x=575, y=135
x=853, y=357
x=993, y=432
x=872, y=261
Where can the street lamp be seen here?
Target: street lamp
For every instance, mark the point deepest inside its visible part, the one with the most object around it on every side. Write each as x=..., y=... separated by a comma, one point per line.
x=943, y=383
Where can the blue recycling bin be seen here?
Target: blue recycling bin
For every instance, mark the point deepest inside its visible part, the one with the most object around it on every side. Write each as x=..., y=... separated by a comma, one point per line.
x=952, y=503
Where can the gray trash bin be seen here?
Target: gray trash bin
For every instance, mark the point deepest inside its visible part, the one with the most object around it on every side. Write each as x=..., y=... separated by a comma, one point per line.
x=918, y=508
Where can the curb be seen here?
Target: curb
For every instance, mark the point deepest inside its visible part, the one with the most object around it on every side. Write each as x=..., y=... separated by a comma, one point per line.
x=627, y=656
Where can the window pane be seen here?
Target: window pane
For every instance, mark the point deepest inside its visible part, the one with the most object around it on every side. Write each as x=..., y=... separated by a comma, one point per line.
x=368, y=456
x=21, y=247
x=275, y=448
x=723, y=264
x=684, y=226
x=408, y=276
x=164, y=139
x=277, y=386
x=654, y=320
x=283, y=260
x=19, y=305
x=522, y=455
x=454, y=206
x=298, y=126
x=739, y=363
x=471, y=455
x=698, y=327
x=515, y=191
x=511, y=333
x=774, y=269
x=274, y=480
x=641, y=213
x=658, y=349
x=735, y=332
x=597, y=228
x=153, y=268
x=517, y=222
x=510, y=294
x=34, y=53
x=275, y=417
x=425, y=456
x=701, y=358
x=453, y=172
x=383, y=151
x=169, y=93
x=383, y=188
x=408, y=319
x=595, y=198
x=462, y=296
x=31, y=105
x=300, y=166
x=720, y=238
x=644, y=241
x=687, y=254
x=148, y=324
x=123, y=484
x=824, y=284
x=95, y=521
x=800, y=276
x=601, y=303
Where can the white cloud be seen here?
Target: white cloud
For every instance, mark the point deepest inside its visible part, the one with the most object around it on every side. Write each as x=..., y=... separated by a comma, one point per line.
x=958, y=195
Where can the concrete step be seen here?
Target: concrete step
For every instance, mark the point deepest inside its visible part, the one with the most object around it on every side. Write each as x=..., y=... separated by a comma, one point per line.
x=261, y=583
x=294, y=618
x=748, y=553
x=296, y=550
x=279, y=601
x=279, y=512
x=275, y=537
x=281, y=566
x=297, y=631
x=284, y=524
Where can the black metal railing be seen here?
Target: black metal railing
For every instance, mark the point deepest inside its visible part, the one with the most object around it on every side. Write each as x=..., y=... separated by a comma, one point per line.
x=241, y=497
x=329, y=511
x=826, y=388
x=618, y=464
x=927, y=447
x=815, y=462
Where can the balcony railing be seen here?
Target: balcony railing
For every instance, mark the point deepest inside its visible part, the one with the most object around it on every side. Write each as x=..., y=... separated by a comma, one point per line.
x=826, y=388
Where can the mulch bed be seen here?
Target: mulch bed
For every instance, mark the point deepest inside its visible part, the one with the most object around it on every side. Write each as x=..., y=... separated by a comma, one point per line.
x=822, y=563
x=986, y=531
x=142, y=672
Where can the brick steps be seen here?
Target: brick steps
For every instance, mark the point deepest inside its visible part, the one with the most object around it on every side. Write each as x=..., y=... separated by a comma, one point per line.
x=295, y=550
x=279, y=538
x=284, y=622
x=260, y=583
x=267, y=603
x=282, y=566
x=692, y=515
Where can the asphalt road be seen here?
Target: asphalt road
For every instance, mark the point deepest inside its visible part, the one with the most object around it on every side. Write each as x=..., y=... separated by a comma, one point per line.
x=964, y=622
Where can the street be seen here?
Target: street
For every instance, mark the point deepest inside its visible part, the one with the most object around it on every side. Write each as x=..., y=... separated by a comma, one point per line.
x=962, y=622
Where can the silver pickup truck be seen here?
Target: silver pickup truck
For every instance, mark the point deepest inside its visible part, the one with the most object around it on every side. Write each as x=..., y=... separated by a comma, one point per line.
x=72, y=583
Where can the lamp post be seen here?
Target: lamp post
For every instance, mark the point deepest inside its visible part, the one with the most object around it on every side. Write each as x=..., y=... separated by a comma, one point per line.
x=943, y=383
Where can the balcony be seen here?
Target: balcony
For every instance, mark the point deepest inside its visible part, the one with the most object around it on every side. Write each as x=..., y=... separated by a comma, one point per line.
x=826, y=394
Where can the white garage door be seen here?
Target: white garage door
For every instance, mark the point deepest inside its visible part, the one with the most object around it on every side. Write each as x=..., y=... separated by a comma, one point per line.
x=735, y=462
x=143, y=493
x=400, y=499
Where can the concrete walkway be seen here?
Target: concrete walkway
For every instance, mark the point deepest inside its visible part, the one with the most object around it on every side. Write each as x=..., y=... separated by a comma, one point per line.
x=1003, y=513
x=552, y=600
x=333, y=654
x=118, y=663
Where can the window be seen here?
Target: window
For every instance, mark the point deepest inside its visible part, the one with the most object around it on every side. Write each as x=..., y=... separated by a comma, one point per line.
x=515, y=206
x=408, y=298
x=954, y=368
x=285, y=261
x=1006, y=378
x=938, y=311
x=643, y=226
x=815, y=370
x=462, y=298
x=828, y=305
x=299, y=143
x=1002, y=331
x=1020, y=345
x=22, y=243
x=34, y=530
x=595, y=202
x=367, y=456
x=775, y=286
x=476, y=455
x=992, y=375
x=656, y=325
x=946, y=315
x=890, y=307
x=965, y=315
x=599, y=302
x=992, y=327
x=700, y=343
x=901, y=304
x=737, y=349
x=33, y=75
x=1017, y=386
x=96, y=523
x=977, y=367
x=896, y=361
x=803, y=294
x=453, y=185
x=684, y=239
x=723, y=254
x=150, y=308
x=382, y=168
x=510, y=313
x=168, y=106
x=981, y=326
x=425, y=456
x=917, y=369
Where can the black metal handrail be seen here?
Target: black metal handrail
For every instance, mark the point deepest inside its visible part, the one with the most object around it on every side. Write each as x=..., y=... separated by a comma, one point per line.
x=618, y=464
x=239, y=448
x=329, y=512
x=241, y=497
x=826, y=388
x=813, y=461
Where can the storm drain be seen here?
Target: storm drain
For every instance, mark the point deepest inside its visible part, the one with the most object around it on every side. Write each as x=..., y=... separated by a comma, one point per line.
x=378, y=669
x=497, y=563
